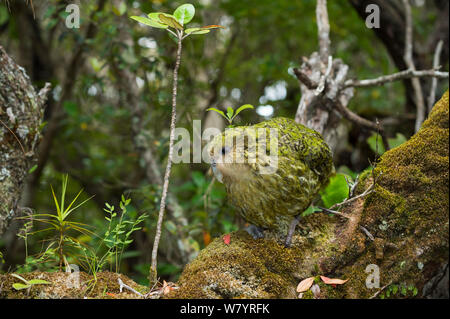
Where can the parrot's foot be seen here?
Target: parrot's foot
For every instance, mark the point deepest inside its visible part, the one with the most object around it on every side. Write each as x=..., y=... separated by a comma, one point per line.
x=255, y=231
x=291, y=230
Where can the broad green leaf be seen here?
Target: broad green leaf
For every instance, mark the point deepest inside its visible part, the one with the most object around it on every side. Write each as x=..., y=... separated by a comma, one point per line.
x=243, y=107
x=155, y=16
x=149, y=22
x=216, y=110
x=336, y=191
x=19, y=286
x=230, y=112
x=170, y=21
x=39, y=282
x=184, y=13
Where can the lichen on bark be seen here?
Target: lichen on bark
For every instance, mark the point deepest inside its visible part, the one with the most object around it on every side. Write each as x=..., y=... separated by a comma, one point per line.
x=21, y=113
x=408, y=215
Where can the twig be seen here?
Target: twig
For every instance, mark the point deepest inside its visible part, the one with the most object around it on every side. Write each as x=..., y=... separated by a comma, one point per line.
x=382, y=288
x=410, y=63
x=406, y=74
x=15, y=136
x=364, y=229
x=305, y=79
x=323, y=26
x=122, y=285
x=153, y=271
x=437, y=55
x=349, y=200
x=327, y=210
x=355, y=118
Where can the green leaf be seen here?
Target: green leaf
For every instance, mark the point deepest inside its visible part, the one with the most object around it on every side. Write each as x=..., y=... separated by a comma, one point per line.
x=397, y=141
x=230, y=112
x=19, y=286
x=149, y=22
x=336, y=191
x=184, y=13
x=217, y=111
x=394, y=289
x=155, y=16
x=39, y=282
x=170, y=21
x=32, y=169
x=372, y=141
x=243, y=107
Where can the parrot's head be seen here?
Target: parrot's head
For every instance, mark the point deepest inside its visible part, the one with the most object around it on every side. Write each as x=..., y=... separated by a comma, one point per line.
x=240, y=153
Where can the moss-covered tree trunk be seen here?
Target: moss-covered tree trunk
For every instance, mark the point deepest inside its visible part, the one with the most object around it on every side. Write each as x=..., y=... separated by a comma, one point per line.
x=21, y=113
x=407, y=217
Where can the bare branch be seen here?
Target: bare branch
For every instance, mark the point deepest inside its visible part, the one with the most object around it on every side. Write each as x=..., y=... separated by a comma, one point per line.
x=323, y=26
x=123, y=285
x=395, y=77
x=420, y=117
x=153, y=271
x=368, y=234
x=304, y=78
x=355, y=118
x=432, y=97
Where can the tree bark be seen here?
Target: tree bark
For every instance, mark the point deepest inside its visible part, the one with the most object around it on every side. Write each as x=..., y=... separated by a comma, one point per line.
x=21, y=113
x=401, y=229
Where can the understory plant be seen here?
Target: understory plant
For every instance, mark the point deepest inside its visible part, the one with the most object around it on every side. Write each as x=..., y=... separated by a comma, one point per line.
x=174, y=24
x=63, y=234
x=231, y=114
x=61, y=229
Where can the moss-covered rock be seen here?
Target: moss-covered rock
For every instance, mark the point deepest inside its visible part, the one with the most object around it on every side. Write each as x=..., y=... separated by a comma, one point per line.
x=66, y=286
x=407, y=214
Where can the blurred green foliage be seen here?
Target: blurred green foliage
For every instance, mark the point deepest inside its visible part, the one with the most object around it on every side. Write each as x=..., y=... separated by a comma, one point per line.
x=247, y=62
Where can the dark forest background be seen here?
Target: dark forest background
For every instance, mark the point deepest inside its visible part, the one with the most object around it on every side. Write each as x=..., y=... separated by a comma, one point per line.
x=108, y=115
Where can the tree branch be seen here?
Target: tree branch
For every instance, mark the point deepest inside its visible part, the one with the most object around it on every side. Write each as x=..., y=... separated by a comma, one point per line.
x=432, y=96
x=407, y=74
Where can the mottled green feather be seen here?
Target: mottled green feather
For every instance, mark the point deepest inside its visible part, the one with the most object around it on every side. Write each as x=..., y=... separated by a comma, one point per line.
x=271, y=200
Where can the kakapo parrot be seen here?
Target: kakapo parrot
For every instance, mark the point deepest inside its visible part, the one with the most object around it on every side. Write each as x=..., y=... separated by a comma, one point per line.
x=272, y=171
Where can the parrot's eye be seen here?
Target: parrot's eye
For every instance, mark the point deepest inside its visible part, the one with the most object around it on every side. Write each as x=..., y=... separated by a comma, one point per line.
x=225, y=150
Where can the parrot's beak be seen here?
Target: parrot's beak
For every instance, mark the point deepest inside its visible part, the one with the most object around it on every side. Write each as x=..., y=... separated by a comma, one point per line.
x=216, y=171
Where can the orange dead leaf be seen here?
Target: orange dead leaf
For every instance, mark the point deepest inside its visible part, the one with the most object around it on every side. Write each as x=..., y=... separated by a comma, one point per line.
x=305, y=284
x=212, y=26
x=206, y=238
x=226, y=239
x=333, y=281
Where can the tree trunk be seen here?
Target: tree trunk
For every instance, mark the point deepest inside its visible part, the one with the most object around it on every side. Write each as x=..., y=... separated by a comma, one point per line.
x=400, y=229
x=21, y=113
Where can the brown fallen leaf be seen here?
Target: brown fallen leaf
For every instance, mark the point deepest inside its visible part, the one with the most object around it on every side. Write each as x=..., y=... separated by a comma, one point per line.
x=305, y=284
x=333, y=281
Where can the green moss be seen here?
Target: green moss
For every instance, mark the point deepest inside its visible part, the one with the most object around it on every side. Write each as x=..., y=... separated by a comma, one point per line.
x=106, y=286
x=408, y=214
